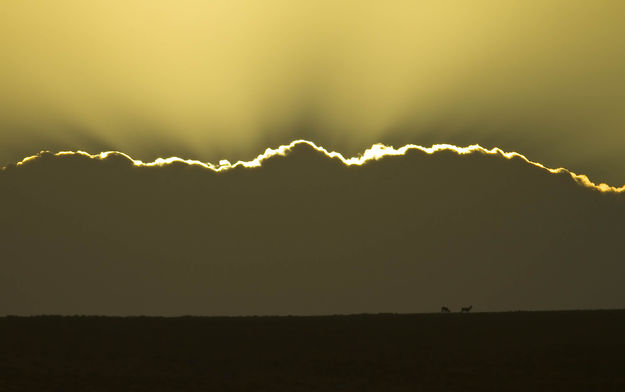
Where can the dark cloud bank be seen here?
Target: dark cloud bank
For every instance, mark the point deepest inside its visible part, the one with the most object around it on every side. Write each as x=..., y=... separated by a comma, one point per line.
x=305, y=234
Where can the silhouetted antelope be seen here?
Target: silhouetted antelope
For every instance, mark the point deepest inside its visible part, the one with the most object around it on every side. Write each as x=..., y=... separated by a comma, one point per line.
x=466, y=310
x=445, y=309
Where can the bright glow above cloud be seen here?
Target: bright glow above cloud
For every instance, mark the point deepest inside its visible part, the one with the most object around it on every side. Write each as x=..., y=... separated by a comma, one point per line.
x=206, y=79
x=375, y=152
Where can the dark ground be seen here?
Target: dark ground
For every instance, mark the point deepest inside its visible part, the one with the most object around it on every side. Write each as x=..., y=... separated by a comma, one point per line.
x=517, y=351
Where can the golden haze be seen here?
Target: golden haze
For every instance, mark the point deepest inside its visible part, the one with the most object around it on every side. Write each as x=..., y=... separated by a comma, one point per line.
x=201, y=78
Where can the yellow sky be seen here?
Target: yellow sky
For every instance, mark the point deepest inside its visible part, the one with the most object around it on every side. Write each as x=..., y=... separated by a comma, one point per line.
x=200, y=78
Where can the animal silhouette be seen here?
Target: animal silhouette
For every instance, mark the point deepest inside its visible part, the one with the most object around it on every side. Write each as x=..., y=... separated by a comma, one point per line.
x=466, y=310
x=445, y=309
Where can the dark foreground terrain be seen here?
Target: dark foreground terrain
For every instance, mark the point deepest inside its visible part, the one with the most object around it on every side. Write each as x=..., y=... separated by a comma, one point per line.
x=518, y=351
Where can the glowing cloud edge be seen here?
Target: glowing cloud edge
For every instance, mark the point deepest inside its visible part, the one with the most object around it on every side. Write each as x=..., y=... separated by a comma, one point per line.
x=375, y=152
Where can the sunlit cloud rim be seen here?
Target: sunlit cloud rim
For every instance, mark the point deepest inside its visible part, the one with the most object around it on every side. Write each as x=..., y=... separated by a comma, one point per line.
x=375, y=152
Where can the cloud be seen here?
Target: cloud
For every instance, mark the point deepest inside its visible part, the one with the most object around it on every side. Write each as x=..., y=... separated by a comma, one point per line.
x=298, y=231
x=377, y=151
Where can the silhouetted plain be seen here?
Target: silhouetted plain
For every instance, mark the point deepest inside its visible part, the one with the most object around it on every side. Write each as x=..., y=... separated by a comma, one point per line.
x=542, y=351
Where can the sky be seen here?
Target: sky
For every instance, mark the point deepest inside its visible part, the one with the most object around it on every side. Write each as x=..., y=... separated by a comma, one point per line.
x=250, y=169
x=213, y=80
